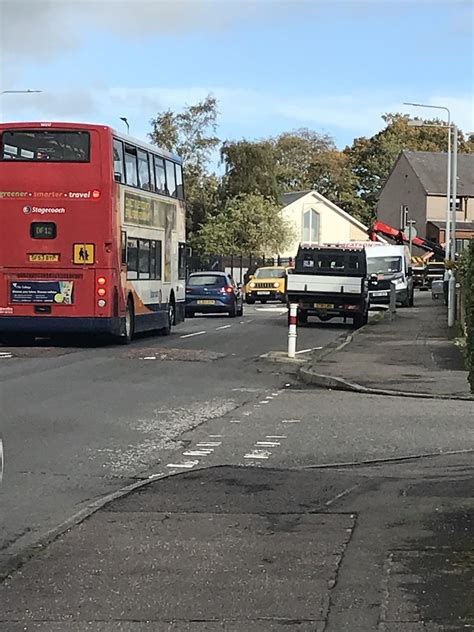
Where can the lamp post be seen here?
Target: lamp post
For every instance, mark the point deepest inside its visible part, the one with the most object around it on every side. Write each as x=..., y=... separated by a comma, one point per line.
x=125, y=120
x=447, y=234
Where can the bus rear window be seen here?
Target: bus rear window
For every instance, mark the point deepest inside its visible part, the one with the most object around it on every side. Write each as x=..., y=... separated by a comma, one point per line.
x=45, y=145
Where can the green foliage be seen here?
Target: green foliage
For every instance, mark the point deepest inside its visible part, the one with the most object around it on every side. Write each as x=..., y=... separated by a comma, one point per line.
x=250, y=168
x=247, y=223
x=469, y=285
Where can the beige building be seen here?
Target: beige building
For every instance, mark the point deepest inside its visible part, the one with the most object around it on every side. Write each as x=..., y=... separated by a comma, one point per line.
x=316, y=220
x=418, y=181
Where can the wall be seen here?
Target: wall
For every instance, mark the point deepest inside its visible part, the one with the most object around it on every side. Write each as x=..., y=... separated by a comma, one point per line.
x=403, y=188
x=333, y=227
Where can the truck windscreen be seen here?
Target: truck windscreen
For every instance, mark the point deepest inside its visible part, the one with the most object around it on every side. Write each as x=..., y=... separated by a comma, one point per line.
x=384, y=265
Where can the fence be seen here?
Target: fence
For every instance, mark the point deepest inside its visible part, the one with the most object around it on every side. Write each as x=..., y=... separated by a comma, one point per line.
x=238, y=266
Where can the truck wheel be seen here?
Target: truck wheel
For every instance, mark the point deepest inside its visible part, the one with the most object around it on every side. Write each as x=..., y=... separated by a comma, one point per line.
x=360, y=320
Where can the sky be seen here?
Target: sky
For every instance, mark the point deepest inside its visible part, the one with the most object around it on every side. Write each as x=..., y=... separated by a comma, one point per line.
x=334, y=66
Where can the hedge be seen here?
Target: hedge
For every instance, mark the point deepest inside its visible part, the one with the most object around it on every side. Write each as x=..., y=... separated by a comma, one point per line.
x=469, y=307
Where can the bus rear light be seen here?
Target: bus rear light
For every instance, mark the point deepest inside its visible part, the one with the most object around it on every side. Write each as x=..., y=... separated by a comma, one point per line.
x=101, y=281
x=101, y=291
x=101, y=302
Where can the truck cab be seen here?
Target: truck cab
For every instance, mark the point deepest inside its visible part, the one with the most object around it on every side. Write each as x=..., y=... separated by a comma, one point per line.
x=387, y=264
x=330, y=283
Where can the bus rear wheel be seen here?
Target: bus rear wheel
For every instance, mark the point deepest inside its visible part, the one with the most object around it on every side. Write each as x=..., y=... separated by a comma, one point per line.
x=170, y=320
x=129, y=324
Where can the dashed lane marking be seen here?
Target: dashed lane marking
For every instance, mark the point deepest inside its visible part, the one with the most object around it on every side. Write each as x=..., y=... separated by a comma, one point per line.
x=275, y=437
x=223, y=327
x=198, y=452
x=234, y=421
x=197, y=333
x=215, y=436
x=185, y=464
x=268, y=444
x=290, y=421
x=257, y=454
x=209, y=444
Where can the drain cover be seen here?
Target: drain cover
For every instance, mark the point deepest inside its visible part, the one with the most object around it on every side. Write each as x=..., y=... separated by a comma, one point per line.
x=183, y=355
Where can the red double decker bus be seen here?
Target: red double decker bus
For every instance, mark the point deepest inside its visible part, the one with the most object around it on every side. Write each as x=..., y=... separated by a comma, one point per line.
x=92, y=233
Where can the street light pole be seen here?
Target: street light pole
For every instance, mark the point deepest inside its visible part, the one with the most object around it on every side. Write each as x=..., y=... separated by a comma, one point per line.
x=125, y=120
x=447, y=233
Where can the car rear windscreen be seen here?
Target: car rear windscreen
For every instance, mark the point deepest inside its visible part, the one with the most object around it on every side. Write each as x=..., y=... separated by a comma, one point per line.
x=207, y=280
x=45, y=145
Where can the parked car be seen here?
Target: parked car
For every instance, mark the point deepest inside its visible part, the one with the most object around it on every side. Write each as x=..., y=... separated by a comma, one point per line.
x=213, y=293
x=267, y=284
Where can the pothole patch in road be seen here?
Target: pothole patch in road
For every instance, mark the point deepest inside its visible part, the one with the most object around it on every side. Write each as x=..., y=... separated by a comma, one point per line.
x=183, y=355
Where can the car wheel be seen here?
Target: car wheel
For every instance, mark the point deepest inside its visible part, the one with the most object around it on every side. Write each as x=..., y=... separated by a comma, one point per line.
x=412, y=299
x=233, y=310
x=250, y=300
x=190, y=314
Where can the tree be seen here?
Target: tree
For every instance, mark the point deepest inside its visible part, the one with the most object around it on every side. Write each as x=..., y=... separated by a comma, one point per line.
x=250, y=168
x=247, y=224
x=191, y=134
x=295, y=152
x=372, y=158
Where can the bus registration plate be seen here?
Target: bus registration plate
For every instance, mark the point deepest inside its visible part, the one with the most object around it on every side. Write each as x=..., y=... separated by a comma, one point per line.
x=42, y=257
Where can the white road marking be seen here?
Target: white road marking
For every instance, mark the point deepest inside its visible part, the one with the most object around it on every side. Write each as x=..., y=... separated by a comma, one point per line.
x=304, y=351
x=280, y=310
x=264, y=401
x=257, y=454
x=185, y=464
x=234, y=421
x=276, y=394
x=149, y=358
x=198, y=452
x=197, y=333
x=268, y=444
x=5, y=356
x=209, y=444
x=223, y=327
x=275, y=437
x=215, y=436
x=290, y=421
x=341, y=495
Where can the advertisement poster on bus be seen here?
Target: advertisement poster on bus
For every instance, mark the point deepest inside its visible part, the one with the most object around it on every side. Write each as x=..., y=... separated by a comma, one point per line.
x=42, y=292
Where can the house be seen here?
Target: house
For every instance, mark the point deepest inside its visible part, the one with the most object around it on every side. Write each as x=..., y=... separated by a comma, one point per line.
x=418, y=181
x=316, y=220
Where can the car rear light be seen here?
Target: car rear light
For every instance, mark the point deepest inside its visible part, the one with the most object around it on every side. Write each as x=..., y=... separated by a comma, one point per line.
x=229, y=290
x=101, y=291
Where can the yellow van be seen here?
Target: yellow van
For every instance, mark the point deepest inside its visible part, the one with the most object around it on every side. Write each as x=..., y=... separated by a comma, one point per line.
x=267, y=284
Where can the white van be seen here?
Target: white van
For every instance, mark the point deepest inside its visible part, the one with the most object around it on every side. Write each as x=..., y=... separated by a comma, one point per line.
x=386, y=264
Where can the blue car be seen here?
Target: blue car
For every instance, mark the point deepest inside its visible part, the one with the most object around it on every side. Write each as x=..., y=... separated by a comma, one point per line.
x=213, y=293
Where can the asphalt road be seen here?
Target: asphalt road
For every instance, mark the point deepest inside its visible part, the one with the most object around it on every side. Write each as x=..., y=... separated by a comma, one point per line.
x=80, y=422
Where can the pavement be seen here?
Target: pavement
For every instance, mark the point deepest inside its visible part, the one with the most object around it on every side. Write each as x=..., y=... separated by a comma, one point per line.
x=410, y=353
x=230, y=496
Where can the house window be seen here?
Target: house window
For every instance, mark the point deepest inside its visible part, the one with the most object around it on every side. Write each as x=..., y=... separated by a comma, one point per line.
x=310, y=227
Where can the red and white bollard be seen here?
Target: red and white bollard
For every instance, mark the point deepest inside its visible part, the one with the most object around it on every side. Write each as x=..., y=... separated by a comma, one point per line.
x=292, y=330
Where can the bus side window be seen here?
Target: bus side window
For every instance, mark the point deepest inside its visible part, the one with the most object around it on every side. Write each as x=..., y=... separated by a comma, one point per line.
x=124, y=247
x=131, y=172
x=179, y=182
x=132, y=258
x=170, y=178
x=119, y=167
x=158, y=260
x=143, y=172
x=144, y=259
x=160, y=175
